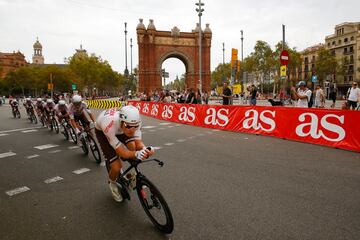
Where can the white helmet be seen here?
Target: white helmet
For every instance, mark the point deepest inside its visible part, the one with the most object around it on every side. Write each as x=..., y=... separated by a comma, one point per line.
x=62, y=102
x=39, y=99
x=76, y=99
x=28, y=99
x=15, y=101
x=130, y=114
x=49, y=100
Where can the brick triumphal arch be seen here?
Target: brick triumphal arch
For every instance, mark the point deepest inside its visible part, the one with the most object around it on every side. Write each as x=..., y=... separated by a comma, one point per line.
x=157, y=46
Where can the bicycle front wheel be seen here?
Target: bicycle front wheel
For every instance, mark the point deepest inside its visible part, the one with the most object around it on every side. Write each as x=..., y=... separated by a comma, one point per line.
x=94, y=149
x=154, y=205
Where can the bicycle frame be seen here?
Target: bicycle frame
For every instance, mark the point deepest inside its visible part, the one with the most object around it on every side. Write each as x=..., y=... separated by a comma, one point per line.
x=135, y=163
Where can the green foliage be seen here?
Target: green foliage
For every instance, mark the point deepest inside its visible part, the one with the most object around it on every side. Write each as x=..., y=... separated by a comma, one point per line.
x=326, y=64
x=222, y=73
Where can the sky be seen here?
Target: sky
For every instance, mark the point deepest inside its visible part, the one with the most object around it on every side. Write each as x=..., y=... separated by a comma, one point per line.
x=62, y=25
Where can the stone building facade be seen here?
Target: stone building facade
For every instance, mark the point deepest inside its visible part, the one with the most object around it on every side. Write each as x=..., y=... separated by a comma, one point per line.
x=10, y=62
x=308, y=59
x=345, y=45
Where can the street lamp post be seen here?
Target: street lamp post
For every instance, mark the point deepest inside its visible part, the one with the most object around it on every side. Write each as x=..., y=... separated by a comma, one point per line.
x=223, y=66
x=126, y=72
x=131, y=68
x=199, y=9
x=242, y=54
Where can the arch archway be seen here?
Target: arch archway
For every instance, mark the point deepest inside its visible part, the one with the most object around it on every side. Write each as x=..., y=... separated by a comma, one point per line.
x=157, y=46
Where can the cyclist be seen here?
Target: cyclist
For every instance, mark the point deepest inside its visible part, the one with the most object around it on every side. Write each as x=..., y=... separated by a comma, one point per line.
x=29, y=106
x=49, y=108
x=14, y=105
x=62, y=111
x=40, y=107
x=80, y=112
x=118, y=132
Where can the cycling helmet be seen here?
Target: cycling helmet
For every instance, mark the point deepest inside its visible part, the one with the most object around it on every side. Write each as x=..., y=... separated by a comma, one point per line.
x=76, y=99
x=39, y=99
x=49, y=100
x=301, y=83
x=28, y=99
x=62, y=102
x=14, y=101
x=130, y=115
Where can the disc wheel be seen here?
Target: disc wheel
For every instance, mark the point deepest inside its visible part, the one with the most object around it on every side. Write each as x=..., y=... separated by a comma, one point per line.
x=154, y=205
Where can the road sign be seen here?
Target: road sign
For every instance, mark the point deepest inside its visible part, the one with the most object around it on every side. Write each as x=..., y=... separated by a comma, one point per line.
x=284, y=57
x=50, y=86
x=283, y=71
x=73, y=86
x=314, y=79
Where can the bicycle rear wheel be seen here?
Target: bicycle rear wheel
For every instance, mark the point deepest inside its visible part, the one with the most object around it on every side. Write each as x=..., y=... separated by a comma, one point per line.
x=34, y=118
x=84, y=146
x=72, y=133
x=154, y=205
x=65, y=132
x=94, y=149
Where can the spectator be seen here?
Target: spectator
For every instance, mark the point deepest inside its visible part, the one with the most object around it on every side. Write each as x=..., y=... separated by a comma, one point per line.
x=191, y=97
x=205, y=97
x=167, y=98
x=303, y=95
x=332, y=96
x=353, y=96
x=198, y=97
x=319, y=97
x=226, y=95
x=253, y=94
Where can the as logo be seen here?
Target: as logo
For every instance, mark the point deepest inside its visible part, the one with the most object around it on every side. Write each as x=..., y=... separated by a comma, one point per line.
x=138, y=106
x=154, y=110
x=167, y=111
x=219, y=117
x=187, y=114
x=314, y=128
x=145, y=108
x=258, y=121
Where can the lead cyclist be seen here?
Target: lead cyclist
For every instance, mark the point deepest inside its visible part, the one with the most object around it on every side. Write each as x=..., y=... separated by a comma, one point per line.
x=119, y=135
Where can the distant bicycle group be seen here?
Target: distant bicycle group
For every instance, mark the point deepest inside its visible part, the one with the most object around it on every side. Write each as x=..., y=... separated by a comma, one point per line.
x=70, y=121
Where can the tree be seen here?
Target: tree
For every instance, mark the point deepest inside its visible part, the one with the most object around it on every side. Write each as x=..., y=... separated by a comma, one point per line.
x=221, y=73
x=326, y=65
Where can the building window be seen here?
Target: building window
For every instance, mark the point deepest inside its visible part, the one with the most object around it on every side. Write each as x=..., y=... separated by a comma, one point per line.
x=352, y=59
x=306, y=60
x=351, y=49
x=333, y=52
x=350, y=78
x=328, y=44
x=345, y=50
x=352, y=38
x=345, y=40
x=333, y=43
x=339, y=41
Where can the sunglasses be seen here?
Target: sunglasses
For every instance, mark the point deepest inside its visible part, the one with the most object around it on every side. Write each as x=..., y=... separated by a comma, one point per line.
x=130, y=126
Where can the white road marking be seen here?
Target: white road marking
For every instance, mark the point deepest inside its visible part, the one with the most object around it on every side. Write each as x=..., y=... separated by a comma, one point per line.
x=200, y=134
x=210, y=133
x=191, y=137
x=81, y=170
x=216, y=130
x=168, y=144
x=164, y=123
x=27, y=131
x=181, y=140
x=157, y=148
x=148, y=127
x=73, y=147
x=32, y=156
x=55, y=151
x=54, y=179
x=3, y=134
x=19, y=129
x=46, y=146
x=246, y=138
x=170, y=126
x=7, y=154
x=17, y=191
x=178, y=125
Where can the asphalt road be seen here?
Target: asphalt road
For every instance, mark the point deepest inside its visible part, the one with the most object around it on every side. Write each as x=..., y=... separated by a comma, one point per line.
x=219, y=185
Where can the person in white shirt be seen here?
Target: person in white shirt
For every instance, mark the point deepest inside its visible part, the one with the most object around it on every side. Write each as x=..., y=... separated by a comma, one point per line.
x=319, y=97
x=353, y=96
x=303, y=95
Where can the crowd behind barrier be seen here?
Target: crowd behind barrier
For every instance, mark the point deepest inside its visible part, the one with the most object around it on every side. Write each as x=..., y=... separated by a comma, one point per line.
x=330, y=127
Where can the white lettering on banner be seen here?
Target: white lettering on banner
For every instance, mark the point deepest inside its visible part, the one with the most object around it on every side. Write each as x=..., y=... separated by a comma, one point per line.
x=145, y=108
x=167, y=111
x=317, y=133
x=253, y=122
x=138, y=106
x=214, y=117
x=154, y=110
x=187, y=114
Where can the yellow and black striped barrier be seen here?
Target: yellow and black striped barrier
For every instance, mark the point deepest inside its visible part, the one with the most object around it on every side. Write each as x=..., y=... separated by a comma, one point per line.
x=104, y=104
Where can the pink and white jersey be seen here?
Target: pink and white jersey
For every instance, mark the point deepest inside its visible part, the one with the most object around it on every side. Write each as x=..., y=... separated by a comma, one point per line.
x=61, y=109
x=108, y=122
x=77, y=111
x=49, y=107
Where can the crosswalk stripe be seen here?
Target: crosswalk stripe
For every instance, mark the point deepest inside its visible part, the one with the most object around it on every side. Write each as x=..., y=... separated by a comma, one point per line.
x=3, y=134
x=17, y=191
x=81, y=170
x=27, y=131
x=46, y=146
x=54, y=179
x=7, y=154
x=32, y=156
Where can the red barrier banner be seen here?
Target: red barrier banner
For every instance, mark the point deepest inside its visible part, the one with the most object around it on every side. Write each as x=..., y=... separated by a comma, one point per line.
x=335, y=128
